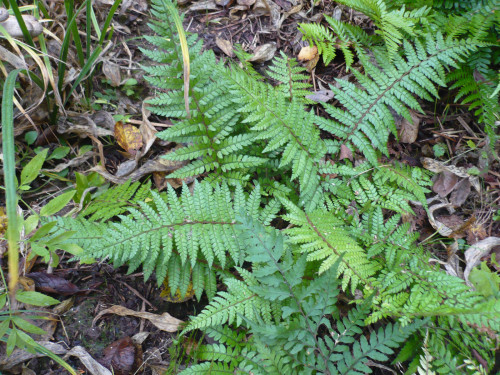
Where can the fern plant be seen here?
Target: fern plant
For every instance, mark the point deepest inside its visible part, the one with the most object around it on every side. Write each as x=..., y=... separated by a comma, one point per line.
x=291, y=231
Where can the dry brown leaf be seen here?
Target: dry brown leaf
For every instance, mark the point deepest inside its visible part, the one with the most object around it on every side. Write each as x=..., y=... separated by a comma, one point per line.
x=345, y=153
x=246, y=3
x=112, y=72
x=445, y=183
x=203, y=5
x=19, y=356
x=437, y=166
x=311, y=64
x=460, y=193
x=321, y=96
x=155, y=165
x=12, y=27
x=128, y=137
x=122, y=356
x=165, y=322
x=263, y=53
x=409, y=129
x=50, y=283
x=308, y=53
x=225, y=46
x=126, y=168
x=147, y=130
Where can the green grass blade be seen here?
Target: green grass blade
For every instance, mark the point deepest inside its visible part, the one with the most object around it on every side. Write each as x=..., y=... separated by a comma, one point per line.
x=107, y=22
x=86, y=68
x=73, y=30
x=9, y=172
x=22, y=24
x=65, y=48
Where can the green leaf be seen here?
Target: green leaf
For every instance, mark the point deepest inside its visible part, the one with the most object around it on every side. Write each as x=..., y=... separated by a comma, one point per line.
x=3, y=300
x=32, y=169
x=30, y=137
x=59, y=153
x=43, y=231
x=57, y=204
x=30, y=223
x=27, y=326
x=11, y=342
x=61, y=238
x=4, y=327
x=35, y=298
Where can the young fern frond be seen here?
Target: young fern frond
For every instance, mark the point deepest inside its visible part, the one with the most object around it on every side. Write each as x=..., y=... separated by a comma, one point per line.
x=323, y=237
x=285, y=126
x=342, y=36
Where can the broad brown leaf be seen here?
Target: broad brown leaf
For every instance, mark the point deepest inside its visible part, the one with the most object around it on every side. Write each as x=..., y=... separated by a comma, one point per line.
x=128, y=137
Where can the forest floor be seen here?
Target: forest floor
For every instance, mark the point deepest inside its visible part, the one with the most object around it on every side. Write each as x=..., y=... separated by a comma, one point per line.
x=446, y=132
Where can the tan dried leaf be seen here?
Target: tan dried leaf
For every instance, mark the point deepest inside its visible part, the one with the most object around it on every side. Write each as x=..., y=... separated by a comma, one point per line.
x=112, y=72
x=225, y=46
x=247, y=3
x=308, y=53
x=165, y=321
x=409, y=129
x=263, y=53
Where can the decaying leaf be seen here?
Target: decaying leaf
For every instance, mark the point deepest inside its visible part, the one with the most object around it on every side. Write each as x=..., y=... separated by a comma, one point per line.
x=263, y=53
x=445, y=183
x=19, y=356
x=155, y=165
x=128, y=137
x=165, y=322
x=123, y=357
x=437, y=167
x=474, y=254
x=50, y=283
x=345, y=153
x=308, y=53
x=112, y=72
x=321, y=96
x=94, y=367
x=33, y=26
x=225, y=46
x=246, y=3
x=408, y=131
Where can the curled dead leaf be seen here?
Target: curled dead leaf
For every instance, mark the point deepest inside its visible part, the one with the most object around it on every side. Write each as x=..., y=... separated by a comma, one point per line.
x=165, y=322
x=408, y=131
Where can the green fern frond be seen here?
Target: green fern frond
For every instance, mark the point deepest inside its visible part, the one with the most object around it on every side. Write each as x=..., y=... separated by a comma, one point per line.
x=323, y=237
x=174, y=234
x=366, y=121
